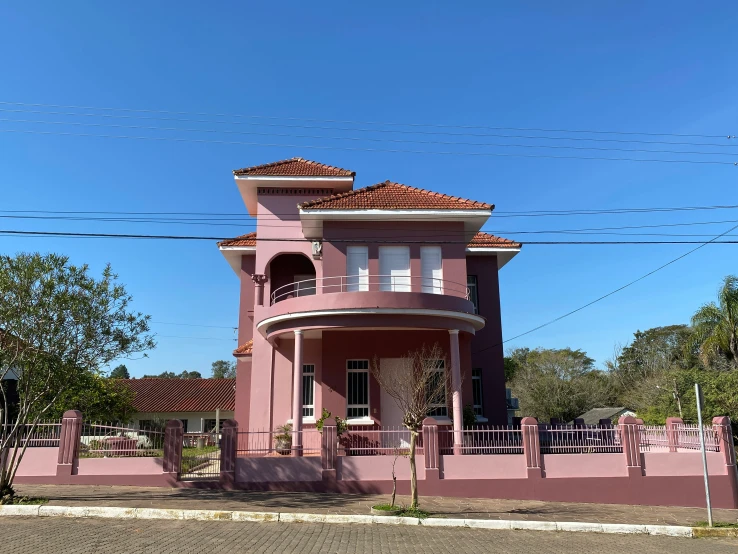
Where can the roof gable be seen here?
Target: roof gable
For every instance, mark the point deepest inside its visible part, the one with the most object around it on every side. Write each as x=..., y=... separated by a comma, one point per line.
x=249, y=239
x=181, y=395
x=295, y=167
x=393, y=196
x=486, y=240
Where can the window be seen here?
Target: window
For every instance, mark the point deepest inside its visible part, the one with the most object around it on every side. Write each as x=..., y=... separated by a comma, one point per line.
x=210, y=425
x=437, y=403
x=471, y=284
x=394, y=268
x=431, y=268
x=304, y=285
x=477, y=391
x=184, y=425
x=357, y=268
x=308, y=390
x=357, y=389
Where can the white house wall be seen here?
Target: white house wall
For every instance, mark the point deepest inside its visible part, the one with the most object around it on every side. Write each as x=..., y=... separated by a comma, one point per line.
x=194, y=419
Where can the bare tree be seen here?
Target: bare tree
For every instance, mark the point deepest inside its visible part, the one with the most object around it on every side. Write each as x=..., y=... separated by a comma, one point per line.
x=417, y=384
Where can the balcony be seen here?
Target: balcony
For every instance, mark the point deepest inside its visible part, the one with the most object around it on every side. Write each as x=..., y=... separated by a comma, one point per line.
x=369, y=301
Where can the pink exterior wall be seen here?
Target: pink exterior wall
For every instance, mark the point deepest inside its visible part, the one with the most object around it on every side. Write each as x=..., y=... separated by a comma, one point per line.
x=120, y=466
x=683, y=463
x=377, y=468
x=278, y=469
x=490, y=360
x=583, y=465
x=38, y=461
x=245, y=333
x=501, y=466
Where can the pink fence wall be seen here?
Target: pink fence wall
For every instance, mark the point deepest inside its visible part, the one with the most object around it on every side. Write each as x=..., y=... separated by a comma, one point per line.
x=377, y=468
x=38, y=462
x=492, y=466
x=278, y=469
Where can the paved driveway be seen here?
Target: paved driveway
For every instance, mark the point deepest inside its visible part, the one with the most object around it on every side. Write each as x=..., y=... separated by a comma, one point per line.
x=77, y=536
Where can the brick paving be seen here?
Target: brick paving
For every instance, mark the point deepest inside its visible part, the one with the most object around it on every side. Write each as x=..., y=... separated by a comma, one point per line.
x=198, y=499
x=89, y=536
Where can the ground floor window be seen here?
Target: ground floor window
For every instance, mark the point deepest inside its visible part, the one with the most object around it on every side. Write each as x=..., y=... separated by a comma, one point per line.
x=308, y=390
x=477, y=392
x=210, y=425
x=357, y=389
x=437, y=389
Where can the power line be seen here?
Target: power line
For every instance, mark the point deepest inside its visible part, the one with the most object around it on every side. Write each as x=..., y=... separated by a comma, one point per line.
x=355, y=122
x=364, y=130
x=367, y=139
x=194, y=325
x=184, y=237
x=191, y=338
x=357, y=149
x=579, y=309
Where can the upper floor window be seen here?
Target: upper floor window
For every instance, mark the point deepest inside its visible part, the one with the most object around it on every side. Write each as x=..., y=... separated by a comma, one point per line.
x=431, y=266
x=471, y=284
x=394, y=268
x=357, y=268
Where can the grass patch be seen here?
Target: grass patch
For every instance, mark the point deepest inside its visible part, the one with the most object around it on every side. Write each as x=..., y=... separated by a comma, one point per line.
x=386, y=507
x=409, y=512
x=195, y=457
x=28, y=500
x=717, y=524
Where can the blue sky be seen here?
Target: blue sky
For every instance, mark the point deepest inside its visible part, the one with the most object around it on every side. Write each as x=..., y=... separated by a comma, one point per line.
x=615, y=66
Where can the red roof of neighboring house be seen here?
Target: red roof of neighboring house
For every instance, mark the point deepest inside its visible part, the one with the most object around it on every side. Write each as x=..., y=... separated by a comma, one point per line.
x=393, y=196
x=182, y=395
x=249, y=239
x=295, y=167
x=485, y=240
x=245, y=349
x=480, y=240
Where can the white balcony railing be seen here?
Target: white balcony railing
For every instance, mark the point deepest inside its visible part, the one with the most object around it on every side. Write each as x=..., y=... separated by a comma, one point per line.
x=369, y=283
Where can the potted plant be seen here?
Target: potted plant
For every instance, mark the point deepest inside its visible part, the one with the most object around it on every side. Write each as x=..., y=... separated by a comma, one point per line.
x=283, y=440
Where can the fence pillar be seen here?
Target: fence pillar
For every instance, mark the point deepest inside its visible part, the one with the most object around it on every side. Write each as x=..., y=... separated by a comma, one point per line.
x=531, y=447
x=430, y=450
x=579, y=423
x=606, y=423
x=329, y=453
x=672, y=432
x=721, y=426
x=228, y=439
x=630, y=438
x=173, y=437
x=69, y=438
x=555, y=422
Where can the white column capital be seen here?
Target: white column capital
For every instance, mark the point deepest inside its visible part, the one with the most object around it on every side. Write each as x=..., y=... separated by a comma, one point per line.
x=299, y=331
x=453, y=331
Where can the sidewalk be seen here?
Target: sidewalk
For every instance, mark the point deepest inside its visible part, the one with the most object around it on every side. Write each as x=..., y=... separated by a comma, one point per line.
x=314, y=503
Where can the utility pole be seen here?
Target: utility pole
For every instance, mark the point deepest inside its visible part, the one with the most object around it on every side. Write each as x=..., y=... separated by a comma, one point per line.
x=698, y=394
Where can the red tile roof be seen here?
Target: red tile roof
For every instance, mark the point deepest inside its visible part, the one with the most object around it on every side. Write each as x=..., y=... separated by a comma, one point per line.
x=295, y=167
x=182, y=395
x=480, y=240
x=249, y=239
x=245, y=349
x=485, y=240
x=393, y=196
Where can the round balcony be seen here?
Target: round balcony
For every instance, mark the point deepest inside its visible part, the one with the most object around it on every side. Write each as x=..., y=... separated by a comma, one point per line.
x=369, y=301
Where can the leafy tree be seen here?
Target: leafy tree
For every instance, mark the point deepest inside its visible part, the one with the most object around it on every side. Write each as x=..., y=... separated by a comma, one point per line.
x=716, y=326
x=57, y=323
x=99, y=399
x=513, y=361
x=171, y=375
x=559, y=383
x=223, y=369
x=120, y=372
x=415, y=387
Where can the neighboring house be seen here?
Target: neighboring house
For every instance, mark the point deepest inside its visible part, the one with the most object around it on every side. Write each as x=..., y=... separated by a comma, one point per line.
x=198, y=403
x=594, y=416
x=9, y=383
x=339, y=277
x=512, y=406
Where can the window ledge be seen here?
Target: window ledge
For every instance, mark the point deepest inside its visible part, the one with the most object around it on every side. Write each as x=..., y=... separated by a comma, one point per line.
x=361, y=421
x=304, y=420
x=481, y=419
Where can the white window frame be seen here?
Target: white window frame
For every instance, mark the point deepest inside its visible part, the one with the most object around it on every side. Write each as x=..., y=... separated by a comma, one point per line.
x=366, y=406
x=431, y=284
x=440, y=368
x=473, y=288
x=311, y=407
x=478, y=408
x=358, y=281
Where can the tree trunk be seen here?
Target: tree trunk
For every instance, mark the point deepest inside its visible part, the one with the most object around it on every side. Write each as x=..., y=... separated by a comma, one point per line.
x=413, y=472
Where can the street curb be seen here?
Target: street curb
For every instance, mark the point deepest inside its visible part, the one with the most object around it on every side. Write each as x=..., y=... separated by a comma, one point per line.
x=288, y=517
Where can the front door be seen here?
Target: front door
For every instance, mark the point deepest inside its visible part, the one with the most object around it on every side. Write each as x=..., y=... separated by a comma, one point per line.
x=391, y=412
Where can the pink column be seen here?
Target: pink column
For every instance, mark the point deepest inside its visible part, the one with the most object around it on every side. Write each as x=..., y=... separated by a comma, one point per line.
x=259, y=281
x=724, y=434
x=228, y=437
x=430, y=449
x=297, y=396
x=531, y=447
x=672, y=432
x=630, y=438
x=173, y=437
x=456, y=389
x=71, y=432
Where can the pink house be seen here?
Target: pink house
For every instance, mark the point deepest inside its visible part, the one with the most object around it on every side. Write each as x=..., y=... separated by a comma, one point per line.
x=339, y=277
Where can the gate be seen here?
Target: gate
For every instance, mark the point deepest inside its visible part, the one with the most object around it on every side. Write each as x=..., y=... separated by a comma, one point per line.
x=200, y=457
